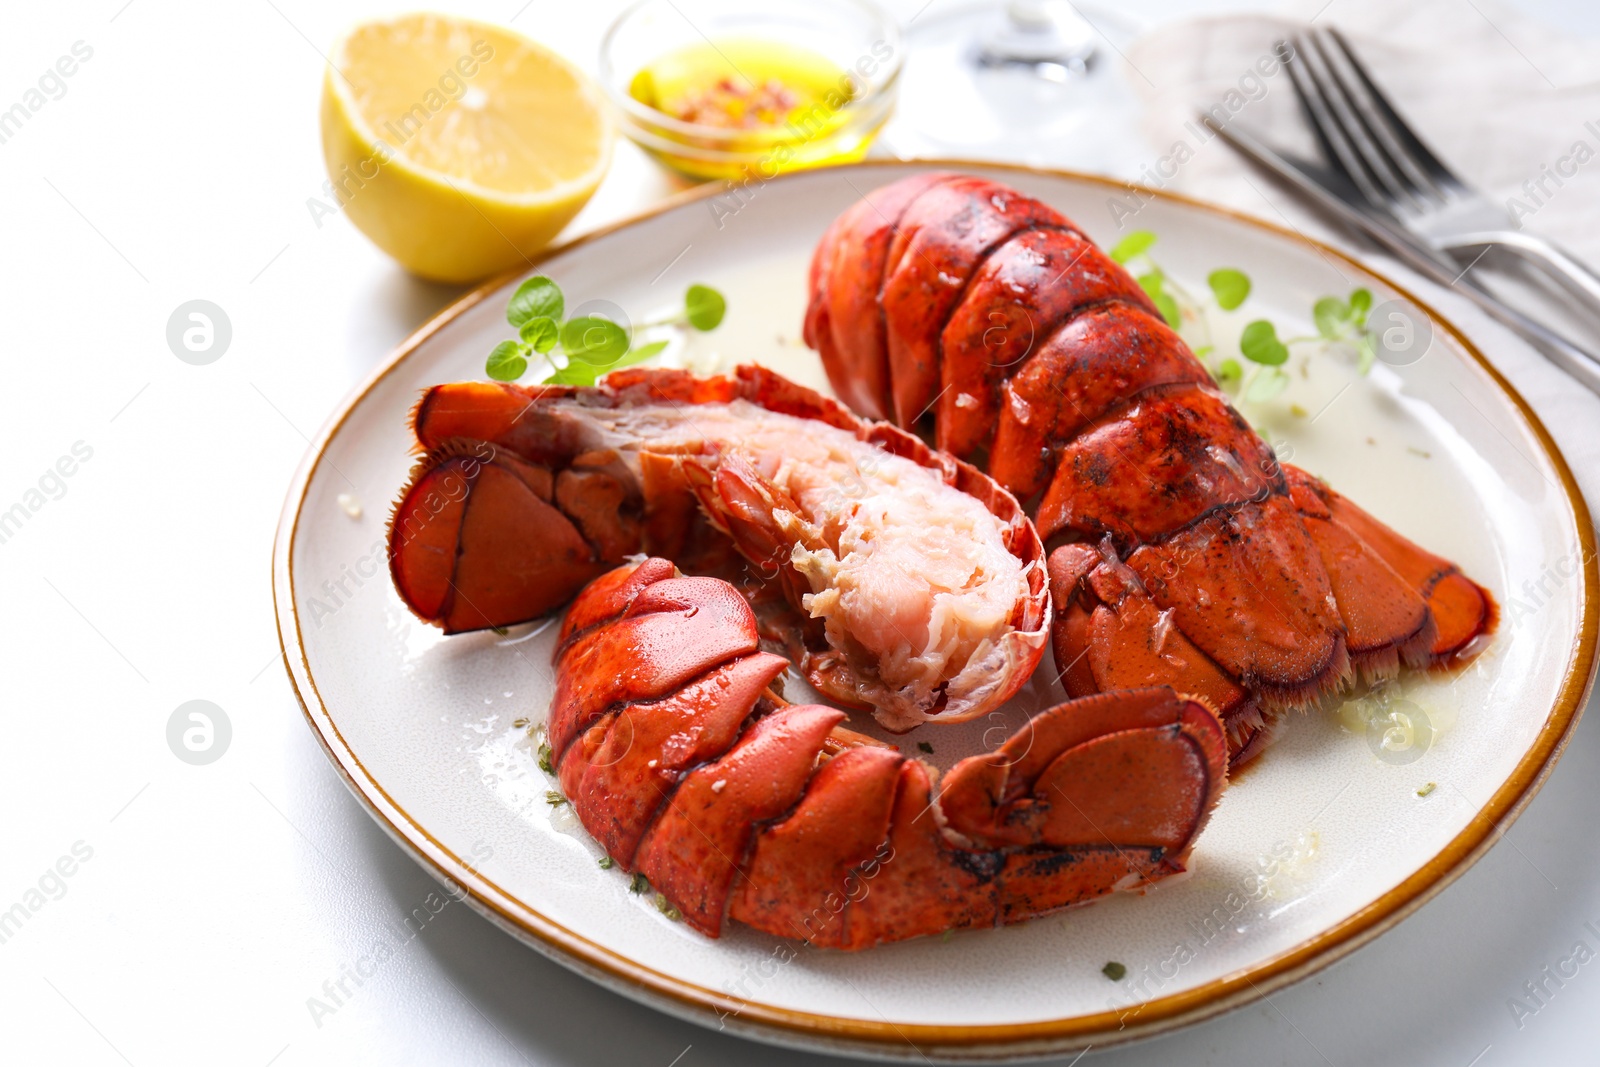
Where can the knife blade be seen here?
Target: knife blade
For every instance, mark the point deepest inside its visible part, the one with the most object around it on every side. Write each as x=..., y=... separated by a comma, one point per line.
x=1323, y=188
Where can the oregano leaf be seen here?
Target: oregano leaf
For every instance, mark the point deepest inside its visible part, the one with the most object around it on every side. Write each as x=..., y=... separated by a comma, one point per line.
x=1259, y=344
x=1330, y=314
x=541, y=332
x=1266, y=385
x=591, y=339
x=538, y=295
x=507, y=362
x=1134, y=244
x=1360, y=304
x=705, y=307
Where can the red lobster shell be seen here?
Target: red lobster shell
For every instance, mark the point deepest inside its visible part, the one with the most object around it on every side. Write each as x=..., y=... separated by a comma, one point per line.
x=911, y=583
x=915, y=585
x=686, y=768
x=957, y=306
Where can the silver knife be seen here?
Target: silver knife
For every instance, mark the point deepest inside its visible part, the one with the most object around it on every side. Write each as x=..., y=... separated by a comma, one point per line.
x=1332, y=193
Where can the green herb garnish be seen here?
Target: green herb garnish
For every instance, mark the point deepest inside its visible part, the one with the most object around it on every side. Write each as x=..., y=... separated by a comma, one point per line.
x=1265, y=384
x=1229, y=286
x=588, y=346
x=606, y=863
x=704, y=307
x=540, y=333
x=591, y=339
x=1114, y=971
x=1259, y=344
x=1345, y=322
x=1154, y=283
x=554, y=799
x=1338, y=323
x=925, y=747
x=1136, y=243
x=538, y=297
x=546, y=759
x=639, y=884
x=664, y=906
x=507, y=362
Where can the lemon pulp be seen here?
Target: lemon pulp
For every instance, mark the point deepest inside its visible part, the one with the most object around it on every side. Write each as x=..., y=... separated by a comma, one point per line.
x=458, y=147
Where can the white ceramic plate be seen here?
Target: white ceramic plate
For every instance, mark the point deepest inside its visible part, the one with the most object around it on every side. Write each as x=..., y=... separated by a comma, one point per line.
x=1319, y=847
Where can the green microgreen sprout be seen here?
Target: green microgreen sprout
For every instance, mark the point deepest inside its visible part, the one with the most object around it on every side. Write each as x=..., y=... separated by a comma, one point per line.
x=1256, y=374
x=1229, y=286
x=578, y=351
x=1170, y=298
x=1345, y=322
x=704, y=307
x=1132, y=246
x=1259, y=344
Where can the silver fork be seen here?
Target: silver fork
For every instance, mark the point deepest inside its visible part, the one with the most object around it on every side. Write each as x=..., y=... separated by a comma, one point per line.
x=1365, y=137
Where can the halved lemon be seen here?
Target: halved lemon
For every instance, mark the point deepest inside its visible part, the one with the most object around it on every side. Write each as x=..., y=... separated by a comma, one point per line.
x=458, y=147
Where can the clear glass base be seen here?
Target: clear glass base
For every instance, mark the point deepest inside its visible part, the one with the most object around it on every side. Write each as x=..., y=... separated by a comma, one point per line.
x=1030, y=83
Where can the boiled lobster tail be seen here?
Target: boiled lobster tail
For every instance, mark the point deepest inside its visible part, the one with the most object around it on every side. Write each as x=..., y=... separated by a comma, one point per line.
x=1187, y=555
x=688, y=769
x=905, y=581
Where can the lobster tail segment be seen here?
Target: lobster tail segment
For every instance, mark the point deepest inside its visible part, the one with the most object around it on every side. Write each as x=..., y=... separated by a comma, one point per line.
x=478, y=540
x=1138, y=767
x=914, y=585
x=735, y=805
x=1034, y=354
x=705, y=835
x=843, y=315
x=944, y=235
x=1460, y=612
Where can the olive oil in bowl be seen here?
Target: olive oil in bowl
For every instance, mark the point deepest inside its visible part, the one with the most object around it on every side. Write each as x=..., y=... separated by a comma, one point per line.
x=746, y=107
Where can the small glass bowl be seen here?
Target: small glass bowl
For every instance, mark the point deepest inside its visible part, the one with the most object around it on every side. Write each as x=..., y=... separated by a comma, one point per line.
x=857, y=36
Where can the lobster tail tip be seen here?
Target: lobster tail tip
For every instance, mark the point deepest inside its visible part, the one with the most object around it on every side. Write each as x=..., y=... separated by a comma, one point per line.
x=477, y=542
x=1465, y=614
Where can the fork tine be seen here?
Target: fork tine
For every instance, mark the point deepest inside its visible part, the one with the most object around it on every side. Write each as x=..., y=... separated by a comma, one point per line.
x=1379, y=117
x=1397, y=193
x=1340, y=153
x=1408, y=147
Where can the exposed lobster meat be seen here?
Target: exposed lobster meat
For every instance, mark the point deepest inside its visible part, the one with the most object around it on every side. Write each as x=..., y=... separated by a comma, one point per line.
x=1192, y=558
x=915, y=585
x=686, y=768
